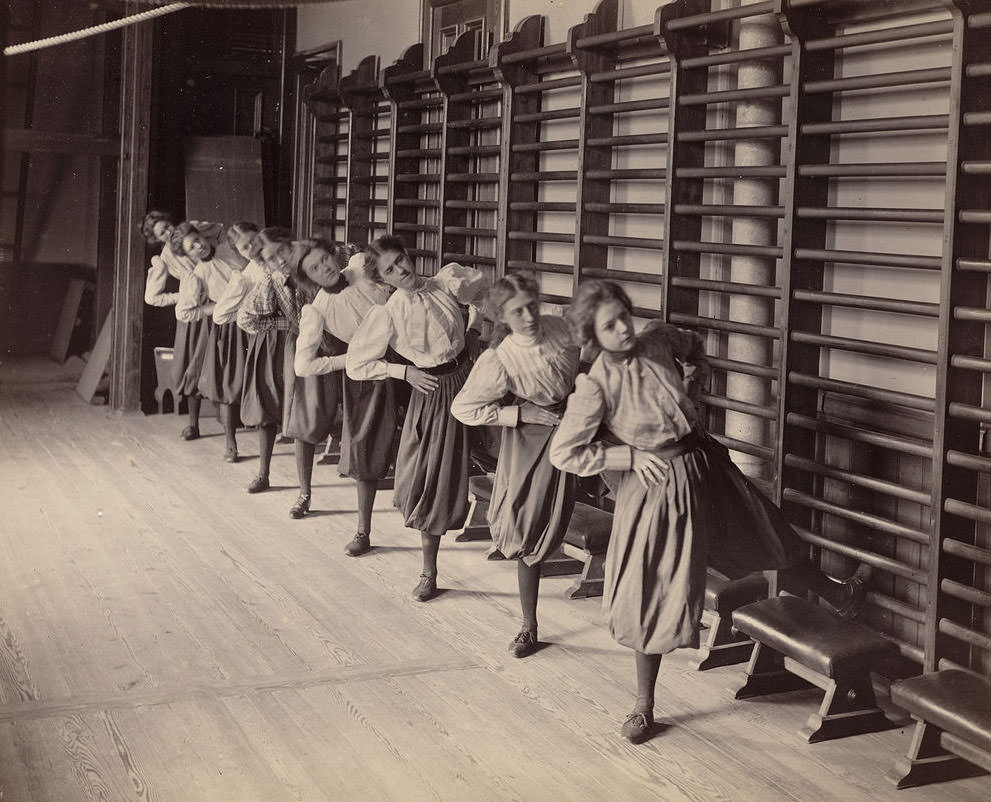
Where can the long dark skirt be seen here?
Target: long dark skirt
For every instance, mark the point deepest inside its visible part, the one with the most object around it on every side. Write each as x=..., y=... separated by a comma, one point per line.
x=532, y=501
x=368, y=440
x=704, y=511
x=432, y=460
x=222, y=377
x=190, y=350
x=310, y=404
x=264, y=371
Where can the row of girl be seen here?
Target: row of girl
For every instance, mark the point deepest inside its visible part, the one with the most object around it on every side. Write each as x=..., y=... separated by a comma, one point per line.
x=295, y=326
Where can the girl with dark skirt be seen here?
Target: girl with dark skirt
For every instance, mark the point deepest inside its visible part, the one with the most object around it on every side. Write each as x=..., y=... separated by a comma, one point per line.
x=158, y=228
x=264, y=370
x=309, y=403
x=521, y=383
x=222, y=376
x=681, y=503
x=424, y=323
x=370, y=408
x=240, y=238
x=192, y=334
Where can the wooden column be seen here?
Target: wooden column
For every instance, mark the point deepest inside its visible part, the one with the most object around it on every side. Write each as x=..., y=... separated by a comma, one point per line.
x=132, y=203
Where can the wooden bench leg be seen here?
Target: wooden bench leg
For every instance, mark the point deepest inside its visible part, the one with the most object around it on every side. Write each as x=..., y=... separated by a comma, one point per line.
x=590, y=582
x=722, y=647
x=766, y=674
x=559, y=564
x=477, y=525
x=928, y=762
x=848, y=708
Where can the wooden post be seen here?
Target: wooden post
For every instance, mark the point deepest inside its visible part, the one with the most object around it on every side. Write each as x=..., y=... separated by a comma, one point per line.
x=132, y=201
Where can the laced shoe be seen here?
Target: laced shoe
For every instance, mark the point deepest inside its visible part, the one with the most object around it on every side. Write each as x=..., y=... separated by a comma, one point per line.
x=425, y=589
x=524, y=644
x=190, y=433
x=359, y=544
x=258, y=484
x=638, y=726
x=301, y=507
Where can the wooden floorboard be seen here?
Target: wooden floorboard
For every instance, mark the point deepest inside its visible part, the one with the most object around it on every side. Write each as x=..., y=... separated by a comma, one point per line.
x=165, y=636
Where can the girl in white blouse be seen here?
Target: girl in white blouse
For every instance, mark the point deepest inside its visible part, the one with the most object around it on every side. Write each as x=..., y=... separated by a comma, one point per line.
x=424, y=325
x=370, y=407
x=222, y=374
x=264, y=385
x=157, y=228
x=301, y=270
x=521, y=383
x=678, y=491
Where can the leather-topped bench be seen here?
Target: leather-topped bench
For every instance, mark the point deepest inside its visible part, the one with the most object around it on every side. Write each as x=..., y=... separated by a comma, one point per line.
x=586, y=540
x=798, y=643
x=952, y=737
x=721, y=646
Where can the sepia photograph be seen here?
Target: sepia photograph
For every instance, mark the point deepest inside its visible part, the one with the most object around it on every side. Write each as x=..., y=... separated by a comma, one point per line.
x=495, y=401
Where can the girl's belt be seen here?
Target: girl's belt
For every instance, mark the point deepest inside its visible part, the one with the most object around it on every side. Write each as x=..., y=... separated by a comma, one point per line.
x=689, y=442
x=449, y=367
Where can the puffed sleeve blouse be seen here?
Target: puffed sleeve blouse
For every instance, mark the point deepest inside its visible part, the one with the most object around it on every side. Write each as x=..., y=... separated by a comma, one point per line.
x=540, y=370
x=240, y=284
x=162, y=266
x=425, y=325
x=639, y=397
x=199, y=291
x=340, y=314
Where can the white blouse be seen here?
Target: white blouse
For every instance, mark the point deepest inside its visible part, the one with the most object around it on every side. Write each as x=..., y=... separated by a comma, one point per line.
x=643, y=400
x=538, y=369
x=425, y=325
x=240, y=284
x=199, y=291
x=164, y=265
x=339, y=313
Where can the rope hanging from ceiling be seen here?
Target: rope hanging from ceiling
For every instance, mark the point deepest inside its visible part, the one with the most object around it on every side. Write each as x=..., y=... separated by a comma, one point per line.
x=162, y=7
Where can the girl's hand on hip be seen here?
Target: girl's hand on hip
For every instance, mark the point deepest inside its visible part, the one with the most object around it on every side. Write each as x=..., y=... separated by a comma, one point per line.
x=649, y=468
x=420, y=380
x=531, y=413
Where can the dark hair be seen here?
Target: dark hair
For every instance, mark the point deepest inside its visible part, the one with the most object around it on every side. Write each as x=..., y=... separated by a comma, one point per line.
x=497, y=295
x=148, y=224
x=588, y=298
x=240, y=228
x=385, y=243
x=306, y=288
x=179, y=232
x=271, y=234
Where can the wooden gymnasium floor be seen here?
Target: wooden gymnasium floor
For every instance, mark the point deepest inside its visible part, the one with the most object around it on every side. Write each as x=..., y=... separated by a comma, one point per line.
x=164, y=636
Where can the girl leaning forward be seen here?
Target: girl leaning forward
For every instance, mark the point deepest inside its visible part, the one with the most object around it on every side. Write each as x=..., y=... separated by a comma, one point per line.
x=680, y=500
x=370, y=407
x=424, y=323
x=521, y=383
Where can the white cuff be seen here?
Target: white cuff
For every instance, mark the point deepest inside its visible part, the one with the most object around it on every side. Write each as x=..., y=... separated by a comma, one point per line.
x=618, y=458
x=508, y=416
x=396, y=370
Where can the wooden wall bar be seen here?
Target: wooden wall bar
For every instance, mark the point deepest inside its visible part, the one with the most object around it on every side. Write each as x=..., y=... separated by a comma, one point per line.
x=328, y=202
x=804, y=183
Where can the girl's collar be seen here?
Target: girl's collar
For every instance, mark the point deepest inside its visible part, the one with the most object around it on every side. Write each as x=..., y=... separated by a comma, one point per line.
x=619, y=357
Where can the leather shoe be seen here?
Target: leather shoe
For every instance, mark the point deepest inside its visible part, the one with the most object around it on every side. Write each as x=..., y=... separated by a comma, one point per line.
x=360, y=544
x=638, y=726
x=301, y=507
x=524, y=644
x=190, y=433
x=230, y=455
x=425, y=589
x=258, y=484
